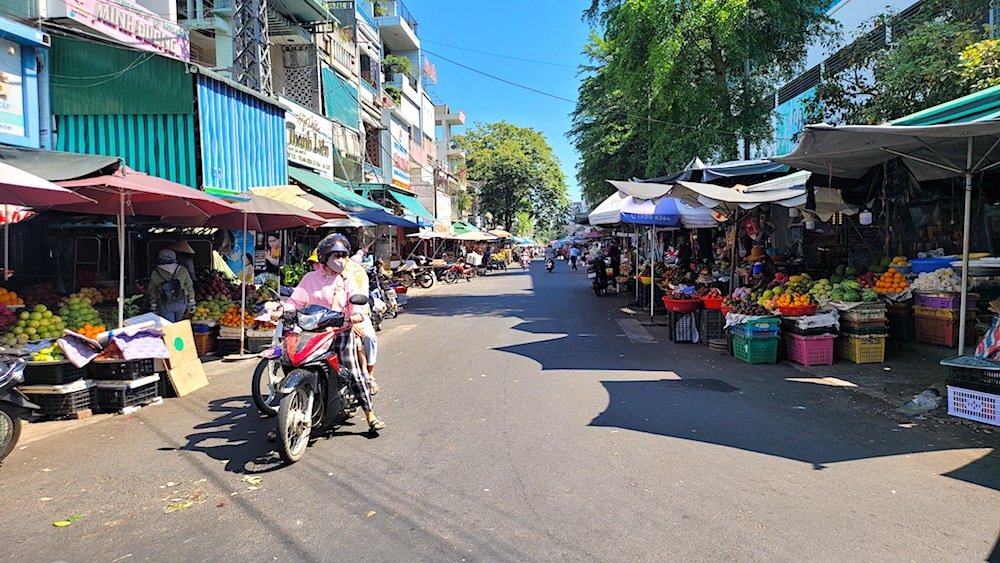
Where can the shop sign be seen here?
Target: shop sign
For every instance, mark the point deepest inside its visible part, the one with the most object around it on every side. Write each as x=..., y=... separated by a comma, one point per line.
x=133, y=25
x=400, y=154
x=309, y=139
x=790, y=121
x=11, y=89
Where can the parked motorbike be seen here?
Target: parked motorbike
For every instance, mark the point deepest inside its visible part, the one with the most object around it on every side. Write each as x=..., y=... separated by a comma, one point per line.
x=423, y=273
x=13, y=403
x=550, y=264
x=316, y=392
x=601, y=274
x=460, y=269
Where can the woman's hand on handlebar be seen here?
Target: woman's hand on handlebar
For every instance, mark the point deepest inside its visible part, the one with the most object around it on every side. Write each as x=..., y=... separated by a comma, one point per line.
x=356, y=318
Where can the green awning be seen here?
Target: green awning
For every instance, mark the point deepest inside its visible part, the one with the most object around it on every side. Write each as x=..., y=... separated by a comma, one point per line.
x=461, y=227
x=333, y=191
x=983, y=105
x=413, y=205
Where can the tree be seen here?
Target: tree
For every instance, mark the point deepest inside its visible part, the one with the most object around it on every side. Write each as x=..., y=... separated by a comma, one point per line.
x=671, y=80
x=941, y=53
x=518, y=173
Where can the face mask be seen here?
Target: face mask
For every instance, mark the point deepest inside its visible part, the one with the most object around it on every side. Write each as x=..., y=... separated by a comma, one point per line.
x=336, y=264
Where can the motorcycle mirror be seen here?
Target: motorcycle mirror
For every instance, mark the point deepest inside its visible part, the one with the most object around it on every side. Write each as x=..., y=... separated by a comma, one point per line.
x=358, y=299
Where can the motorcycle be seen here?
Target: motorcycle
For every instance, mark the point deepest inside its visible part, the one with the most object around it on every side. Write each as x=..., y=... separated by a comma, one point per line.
x=423, y=273
x=458, y=270
x=601, y=274
x=550, y=264
x=13, y=403
x=316, y=391
x=525, y=261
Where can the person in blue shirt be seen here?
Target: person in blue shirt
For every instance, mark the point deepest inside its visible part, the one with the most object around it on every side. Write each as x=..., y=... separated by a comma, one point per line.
x=574, y=255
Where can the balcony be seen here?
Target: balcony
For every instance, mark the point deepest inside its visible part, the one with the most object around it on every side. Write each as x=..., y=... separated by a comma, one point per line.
x=396, y=26
x=406, y=84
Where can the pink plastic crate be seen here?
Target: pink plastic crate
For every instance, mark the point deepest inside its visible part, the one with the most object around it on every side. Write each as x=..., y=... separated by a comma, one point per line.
x=941, y=302
x=810, y=350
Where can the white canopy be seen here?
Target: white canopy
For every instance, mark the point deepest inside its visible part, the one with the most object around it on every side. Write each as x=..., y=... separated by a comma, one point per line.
x=609, y=212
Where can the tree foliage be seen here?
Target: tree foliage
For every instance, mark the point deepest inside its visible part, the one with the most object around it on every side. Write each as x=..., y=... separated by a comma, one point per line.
x=668, y=81
x=942, y=53
x=518, y=174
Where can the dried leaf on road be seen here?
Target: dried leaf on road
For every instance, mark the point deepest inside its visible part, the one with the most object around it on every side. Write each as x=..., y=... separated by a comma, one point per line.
x=252, y=488
x=76, y=517
x=46, y=470
x=172, y=484
x=252, y=480
x=45, y=499
x=175, y=506
x=371, y=513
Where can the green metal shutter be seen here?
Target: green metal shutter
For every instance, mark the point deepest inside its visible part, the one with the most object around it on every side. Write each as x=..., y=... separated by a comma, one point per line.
x=159, y=145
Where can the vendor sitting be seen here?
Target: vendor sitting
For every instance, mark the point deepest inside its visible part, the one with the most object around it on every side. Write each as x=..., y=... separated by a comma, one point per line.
x=762, y=268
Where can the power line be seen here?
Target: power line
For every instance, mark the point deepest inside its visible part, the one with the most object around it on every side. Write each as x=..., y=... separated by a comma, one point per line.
x=497, y=55
x=504, y=80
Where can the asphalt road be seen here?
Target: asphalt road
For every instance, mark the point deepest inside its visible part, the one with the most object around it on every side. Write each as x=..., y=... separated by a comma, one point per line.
x=523, y=425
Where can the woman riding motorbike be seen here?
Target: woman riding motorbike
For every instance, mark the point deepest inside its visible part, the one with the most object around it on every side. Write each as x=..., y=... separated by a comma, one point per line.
x=328, y=286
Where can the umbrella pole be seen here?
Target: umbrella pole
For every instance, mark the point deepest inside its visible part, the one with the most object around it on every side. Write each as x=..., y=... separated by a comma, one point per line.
x=735, y=252
x=6, y=242
x=121, y=259
x=965, y=251
x=652, y=273
x=243, y=300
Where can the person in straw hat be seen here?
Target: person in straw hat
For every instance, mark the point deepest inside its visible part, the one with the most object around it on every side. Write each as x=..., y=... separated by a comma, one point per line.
x=762, y=268
x=185, y=255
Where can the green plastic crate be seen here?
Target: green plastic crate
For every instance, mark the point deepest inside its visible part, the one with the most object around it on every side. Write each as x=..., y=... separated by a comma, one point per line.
x=756, y=350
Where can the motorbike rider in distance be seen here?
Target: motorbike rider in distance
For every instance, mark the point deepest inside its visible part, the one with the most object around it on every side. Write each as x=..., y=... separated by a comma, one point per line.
x=328, y=286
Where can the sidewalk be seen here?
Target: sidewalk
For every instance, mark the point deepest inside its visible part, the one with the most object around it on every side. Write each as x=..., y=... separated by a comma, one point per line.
x=909, y=368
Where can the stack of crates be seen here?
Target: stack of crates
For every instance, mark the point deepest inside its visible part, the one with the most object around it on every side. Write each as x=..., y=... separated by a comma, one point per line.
x=901, y=322
x=124, y=383
x=58, y=387
x=936, y=318
x=808, y=346
x=974, y=389
x=863, y=331
x=711, y=325
x=756, y=341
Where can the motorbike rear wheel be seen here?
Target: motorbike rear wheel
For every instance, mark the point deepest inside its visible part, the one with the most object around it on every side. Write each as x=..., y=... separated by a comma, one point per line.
x=294, y=424
x=405, y=279
x=425, y=279
x=265, y=380
x=10, y=429
x=451, y=276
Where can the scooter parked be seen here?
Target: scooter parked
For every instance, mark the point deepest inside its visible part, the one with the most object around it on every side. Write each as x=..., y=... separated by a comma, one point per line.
x=460, y=269
x=13, y=403
x=601, y=275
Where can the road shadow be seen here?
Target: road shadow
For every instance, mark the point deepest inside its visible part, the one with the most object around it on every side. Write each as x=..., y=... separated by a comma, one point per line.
x=237, y=436
x=710, y=411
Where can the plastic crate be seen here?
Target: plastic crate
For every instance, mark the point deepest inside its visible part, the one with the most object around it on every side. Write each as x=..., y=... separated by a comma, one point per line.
x=877, y=326
x=869, y=349
x=764, y=322
x=120, y=370
x=902, y=328
x=711, y=325
x=681, y=306
x=52, y=373
x=115, y=396
x=755, y=350
x=921, y=265
x=682, y=326
x=941, y=332
x=863, y=314
x=810, y=350
x=950, y=314
x=982, y=375
x=250, y=345
x=206, y=342
x=792, y=328
x=973, y=405
x=945, y=300
x=61, y=400
x=747, y=331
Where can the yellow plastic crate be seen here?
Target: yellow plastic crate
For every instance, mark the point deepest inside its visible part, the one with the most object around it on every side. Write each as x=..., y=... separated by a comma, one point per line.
x=861, y=349
x=950, y=314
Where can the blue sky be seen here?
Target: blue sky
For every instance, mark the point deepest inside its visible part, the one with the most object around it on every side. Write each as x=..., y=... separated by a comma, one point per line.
x=539, y=30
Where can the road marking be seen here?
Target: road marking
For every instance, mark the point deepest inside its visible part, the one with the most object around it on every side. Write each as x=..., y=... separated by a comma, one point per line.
x=635, y=332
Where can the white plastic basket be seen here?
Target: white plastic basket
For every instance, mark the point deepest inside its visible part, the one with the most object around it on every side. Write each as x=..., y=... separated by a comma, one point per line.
x=973, y=405
x=474, y=259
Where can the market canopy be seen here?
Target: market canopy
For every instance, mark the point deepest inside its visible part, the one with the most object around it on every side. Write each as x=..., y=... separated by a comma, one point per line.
x=500, y=233
x=382, y=217
x=931, y=152
x=333, y=191
x=609, y=211
x=983, y=105
x=56, y=166
x=413, y=205
x=347, y=223
x=21, y=188
x=697, y=170
x=296, y=196
x=661, y=212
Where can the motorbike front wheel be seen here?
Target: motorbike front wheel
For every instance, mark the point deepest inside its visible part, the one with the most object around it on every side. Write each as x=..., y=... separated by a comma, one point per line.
x=266, y=378
x=10, y=429
x=426, y=280
x=294, y=424
x=451, y=276
x=406, y=279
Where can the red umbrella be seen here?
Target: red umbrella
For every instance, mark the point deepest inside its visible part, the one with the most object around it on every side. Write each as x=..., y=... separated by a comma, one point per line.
x=139, y=194
x=18, y=187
